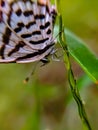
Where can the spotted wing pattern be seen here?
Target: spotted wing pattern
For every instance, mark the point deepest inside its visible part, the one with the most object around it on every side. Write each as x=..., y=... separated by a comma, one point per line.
x=26, y=30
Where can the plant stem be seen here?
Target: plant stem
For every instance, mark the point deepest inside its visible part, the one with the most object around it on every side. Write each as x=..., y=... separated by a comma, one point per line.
x=71, y=78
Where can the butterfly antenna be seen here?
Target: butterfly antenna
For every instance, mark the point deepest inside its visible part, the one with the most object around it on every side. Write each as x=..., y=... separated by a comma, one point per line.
x=31, y=73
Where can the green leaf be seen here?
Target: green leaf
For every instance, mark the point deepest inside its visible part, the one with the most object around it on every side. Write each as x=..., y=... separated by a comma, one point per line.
x=82, y=54
x=83, y=81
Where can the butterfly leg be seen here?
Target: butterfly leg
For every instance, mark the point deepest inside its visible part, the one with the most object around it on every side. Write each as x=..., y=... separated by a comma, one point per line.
x=55, y=55
x=45, y=61
x=31, y=73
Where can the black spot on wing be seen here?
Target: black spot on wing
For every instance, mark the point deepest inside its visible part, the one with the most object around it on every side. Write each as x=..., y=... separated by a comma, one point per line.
x=17, y=47
x=39, y=52
x=19, y=12
x=49, y=31
x=28, y=13
x=39, y=16
x=30, y=24
x=2, y=51
x=30, y=34
x=2, y=3
x=26, y=35
x=47, y=24
x=47, y=9
x=53, y=14
x=36, y=33
x=39, y=41
x=20, y=24
x=18, y=29
x=6, y=35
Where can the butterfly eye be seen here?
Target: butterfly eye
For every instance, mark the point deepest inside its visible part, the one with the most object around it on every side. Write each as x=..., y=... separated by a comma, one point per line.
x=2, y=3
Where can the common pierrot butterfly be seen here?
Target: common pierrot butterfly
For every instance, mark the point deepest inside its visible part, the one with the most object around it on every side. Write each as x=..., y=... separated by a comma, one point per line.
x=26, y=30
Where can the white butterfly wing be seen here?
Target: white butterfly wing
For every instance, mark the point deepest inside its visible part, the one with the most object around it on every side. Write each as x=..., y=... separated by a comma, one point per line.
x=26, y=29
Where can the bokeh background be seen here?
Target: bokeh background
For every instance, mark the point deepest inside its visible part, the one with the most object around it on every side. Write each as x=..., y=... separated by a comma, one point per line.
x=45, y=102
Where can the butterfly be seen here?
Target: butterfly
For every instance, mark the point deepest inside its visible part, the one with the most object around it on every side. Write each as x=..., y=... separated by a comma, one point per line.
x=26, y=30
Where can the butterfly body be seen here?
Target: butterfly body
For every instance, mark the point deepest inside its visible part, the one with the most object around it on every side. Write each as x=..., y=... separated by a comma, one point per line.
x=26, y=30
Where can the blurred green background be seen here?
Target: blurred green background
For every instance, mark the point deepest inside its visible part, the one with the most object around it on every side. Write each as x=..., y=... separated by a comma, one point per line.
x=45, y=102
